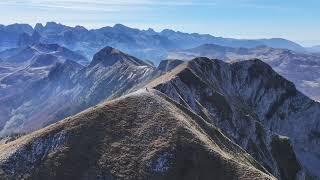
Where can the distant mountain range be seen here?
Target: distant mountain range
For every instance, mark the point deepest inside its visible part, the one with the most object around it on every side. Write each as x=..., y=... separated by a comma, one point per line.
x=250, y=103
x=144, y=44
x=300, y=68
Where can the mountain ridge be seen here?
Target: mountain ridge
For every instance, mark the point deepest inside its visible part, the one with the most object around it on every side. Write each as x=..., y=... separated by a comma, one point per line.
x=144, y=44
x=300, y=68
x=146, y=149
x=232, y=95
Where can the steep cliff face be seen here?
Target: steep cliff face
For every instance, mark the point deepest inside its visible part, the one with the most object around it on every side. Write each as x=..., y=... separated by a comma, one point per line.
x=144, y=135
x=250, y=103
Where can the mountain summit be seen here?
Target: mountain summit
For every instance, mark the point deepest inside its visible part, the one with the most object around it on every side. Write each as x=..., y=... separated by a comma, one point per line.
x=300, y=68
x=109, y=56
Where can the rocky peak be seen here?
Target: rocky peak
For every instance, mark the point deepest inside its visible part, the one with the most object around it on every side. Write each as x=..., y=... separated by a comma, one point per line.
x=19, y=28
x=38, y=27
x=54, y=27
x=122, y=28
x=80, y=28
x=51, y=24
x=150, y=31
x=263, y=73
x=167, y=32
x=109, y=56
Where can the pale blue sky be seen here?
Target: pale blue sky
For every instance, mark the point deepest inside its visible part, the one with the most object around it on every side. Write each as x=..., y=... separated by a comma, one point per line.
x=297, y=20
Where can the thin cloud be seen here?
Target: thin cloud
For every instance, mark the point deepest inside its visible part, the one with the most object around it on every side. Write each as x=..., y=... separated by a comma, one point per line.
x=95, y=3
x=102, y=6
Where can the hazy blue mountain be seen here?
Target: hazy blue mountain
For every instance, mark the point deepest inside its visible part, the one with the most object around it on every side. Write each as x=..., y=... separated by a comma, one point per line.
x=186, y=40
x=314, y=49
x=144, y=44
x=300, y=68
x=9, y=35
x=48, y=87
x=25, y=54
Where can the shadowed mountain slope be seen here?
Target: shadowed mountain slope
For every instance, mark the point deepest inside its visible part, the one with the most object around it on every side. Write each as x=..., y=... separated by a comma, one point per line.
x=253, y=106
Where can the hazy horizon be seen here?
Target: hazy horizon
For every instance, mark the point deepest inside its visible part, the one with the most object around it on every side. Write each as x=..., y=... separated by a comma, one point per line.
x=243, y=19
